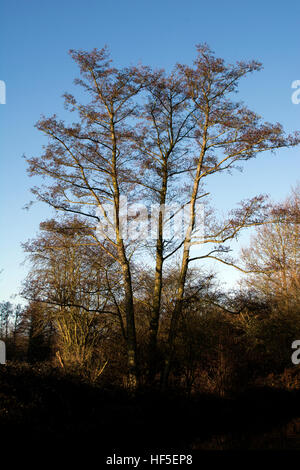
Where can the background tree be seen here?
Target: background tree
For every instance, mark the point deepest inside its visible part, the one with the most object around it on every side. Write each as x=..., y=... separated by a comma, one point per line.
x=69, y=284
x=41, y=338
x=11, y=318
x=274, y=256
x=6, y=313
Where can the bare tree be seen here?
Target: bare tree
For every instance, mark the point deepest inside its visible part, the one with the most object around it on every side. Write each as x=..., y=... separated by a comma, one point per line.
x=273, y=259
x=227, y=134
x=90, y=163
x=164, y=134
x=6, y=314
x=68, y=281
x=154, y=136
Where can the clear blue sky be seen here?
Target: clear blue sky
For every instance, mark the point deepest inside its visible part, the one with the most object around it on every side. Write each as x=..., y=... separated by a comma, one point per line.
x=36, y=36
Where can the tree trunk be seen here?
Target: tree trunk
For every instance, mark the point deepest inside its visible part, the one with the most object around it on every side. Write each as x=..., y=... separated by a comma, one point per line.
x=130, y=330
x=155, y=311
x=128, y=293
x=185, y=261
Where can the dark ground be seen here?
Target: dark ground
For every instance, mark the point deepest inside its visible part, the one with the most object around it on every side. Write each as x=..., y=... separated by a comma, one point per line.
x=39, y=408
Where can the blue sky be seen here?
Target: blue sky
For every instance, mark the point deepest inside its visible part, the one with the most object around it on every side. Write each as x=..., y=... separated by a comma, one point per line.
x=34, y=41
